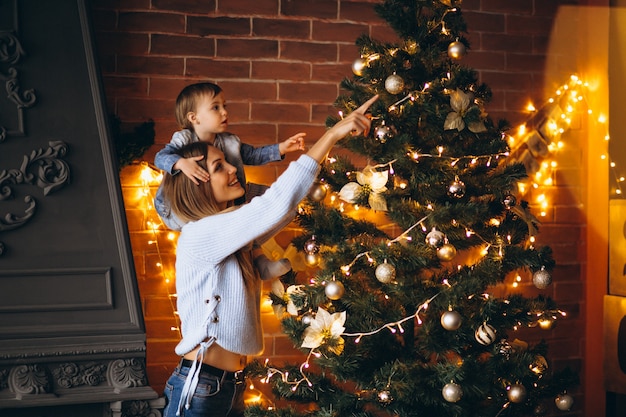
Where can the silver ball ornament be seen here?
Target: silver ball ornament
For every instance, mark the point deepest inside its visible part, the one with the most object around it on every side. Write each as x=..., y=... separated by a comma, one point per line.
x=452, y=392
x=509, y=201
x=564, y=402
x=456, y=50
x=311, y=246
x=307, y=318
x=317, y=192
x=385, y=273
x=435, y=238
x=446, y=252
x=517, y=393
x=542, y=279
x=334, y=290
x=358, y=65
x=394, y=84
x=457, y=189
x=485, y=334
x=451, y=320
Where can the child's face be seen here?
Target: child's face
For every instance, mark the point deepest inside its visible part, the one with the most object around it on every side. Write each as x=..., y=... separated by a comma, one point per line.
x=210, y=116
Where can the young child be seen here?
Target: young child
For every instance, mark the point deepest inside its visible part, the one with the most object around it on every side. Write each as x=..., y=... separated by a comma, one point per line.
x=201, y=113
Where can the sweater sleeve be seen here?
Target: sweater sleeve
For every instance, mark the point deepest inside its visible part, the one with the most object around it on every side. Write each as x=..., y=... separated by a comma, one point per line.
x=167, y=157
x=215, y=237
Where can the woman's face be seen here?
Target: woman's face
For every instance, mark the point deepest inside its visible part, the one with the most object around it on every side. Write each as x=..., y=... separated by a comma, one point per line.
x=222, y=178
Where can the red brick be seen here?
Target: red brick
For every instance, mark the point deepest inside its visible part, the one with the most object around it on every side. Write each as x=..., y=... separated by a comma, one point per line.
x=185, y=6
x=281, y=28
x=484, y=22
x=121, y=4
x=507, y=43
x=217, y=68
x=509, y=6
x=527, y=25
x=331, y=72
x=247, y=48
x=280, y=70
x=182, y=46
x=487, y=60
x=358, y=11
x=348, y=54
x=309, y=51
x=128, y=86
x=338, y=32
x=151, y=22
x=150, y=65
x=167, y=89
x=136, y=109
x=252, y=90
x=279, y=112
x=211, y=25
x=255, y=133
x=314, y=92
x=250, y=7
x=126, y=43
x=322, y=9
x=383, y=33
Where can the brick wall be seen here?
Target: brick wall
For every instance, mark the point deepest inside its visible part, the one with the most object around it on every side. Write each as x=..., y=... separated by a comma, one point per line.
x=280, y=63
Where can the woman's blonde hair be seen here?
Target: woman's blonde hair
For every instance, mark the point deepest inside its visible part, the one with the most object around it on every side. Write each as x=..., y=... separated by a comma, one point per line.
x=191, y=202
x=187, y=101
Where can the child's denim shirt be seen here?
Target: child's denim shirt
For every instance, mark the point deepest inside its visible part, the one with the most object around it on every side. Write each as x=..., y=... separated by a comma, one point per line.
x=236, y=153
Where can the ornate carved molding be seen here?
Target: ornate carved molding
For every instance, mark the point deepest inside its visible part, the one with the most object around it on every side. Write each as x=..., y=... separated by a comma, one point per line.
x=149, y=408
x=126, y=373
x=29, y=380
x=11, y=53
x=43, y=167
x=70, y=375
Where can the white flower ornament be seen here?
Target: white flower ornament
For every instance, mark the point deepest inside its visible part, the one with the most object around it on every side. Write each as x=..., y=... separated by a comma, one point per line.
x=279, y=290
x=376, y=181
x=323, y=328
x=460, y=103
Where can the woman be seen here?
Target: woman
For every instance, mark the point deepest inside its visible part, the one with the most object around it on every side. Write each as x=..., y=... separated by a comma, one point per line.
x=218, y=288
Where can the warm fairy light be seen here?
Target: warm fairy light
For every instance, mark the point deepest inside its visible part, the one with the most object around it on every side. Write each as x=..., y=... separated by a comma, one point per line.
x=530, y=107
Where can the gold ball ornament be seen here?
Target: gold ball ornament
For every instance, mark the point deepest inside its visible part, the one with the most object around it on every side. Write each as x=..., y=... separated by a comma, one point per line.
x=517, y=393
x=446, y=252
x=564, y=402
x=452, y=392
x=317, y=192
x=385, y=273
x=334, y=290
x=542, y=279
x=358, y=65
x=485, y=334
x=312, y=259
x=457, y=50
x=451, y=320
x=394, y=84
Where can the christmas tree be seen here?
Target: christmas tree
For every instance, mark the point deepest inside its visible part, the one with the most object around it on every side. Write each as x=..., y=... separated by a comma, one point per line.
x=408, y=316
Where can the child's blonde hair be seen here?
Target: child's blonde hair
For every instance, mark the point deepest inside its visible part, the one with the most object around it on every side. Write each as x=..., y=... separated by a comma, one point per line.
x=187, y=101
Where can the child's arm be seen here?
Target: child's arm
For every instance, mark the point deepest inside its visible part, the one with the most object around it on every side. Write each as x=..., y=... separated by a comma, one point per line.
x=271, y=153
x=167, y=159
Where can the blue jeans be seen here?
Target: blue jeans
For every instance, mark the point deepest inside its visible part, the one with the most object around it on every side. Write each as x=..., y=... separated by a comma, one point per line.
x=217, y=394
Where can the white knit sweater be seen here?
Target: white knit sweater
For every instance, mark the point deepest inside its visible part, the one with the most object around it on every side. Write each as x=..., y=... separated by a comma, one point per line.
x=213, y=300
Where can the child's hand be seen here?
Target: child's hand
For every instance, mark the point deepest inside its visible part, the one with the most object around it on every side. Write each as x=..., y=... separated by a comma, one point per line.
x=294, y=143
x=192, y=170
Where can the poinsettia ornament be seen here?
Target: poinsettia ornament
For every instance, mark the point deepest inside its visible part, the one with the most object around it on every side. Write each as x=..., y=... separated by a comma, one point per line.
x=368, y=180
x=461, y=103
x=324, y=328
x=278, y=290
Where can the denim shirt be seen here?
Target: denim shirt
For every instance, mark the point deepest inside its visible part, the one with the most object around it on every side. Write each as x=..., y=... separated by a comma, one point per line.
x=236, y=153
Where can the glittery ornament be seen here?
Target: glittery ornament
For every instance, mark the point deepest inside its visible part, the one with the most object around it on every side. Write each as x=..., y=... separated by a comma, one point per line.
x=457, y=189
x=485, y=334
x=451, y=320
x=446, y=252
x=564, y=402
x=334, y=290
x=435, y=238
x=382, y=133
x=312, y=259
x=452, y=392
x=311, y=246
x=539, y=365
x=505, y=349
x=317, y=192
x=394, y=84
x=517, y=393
x=540, y=410
x=542, y=278
x=509, y=201
x=358, y=65
x=384, y=397
x=385, y=272
x=456, y=50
